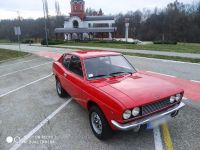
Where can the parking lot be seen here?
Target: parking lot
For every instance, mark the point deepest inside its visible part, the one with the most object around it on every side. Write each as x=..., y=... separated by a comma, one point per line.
x=34, y=116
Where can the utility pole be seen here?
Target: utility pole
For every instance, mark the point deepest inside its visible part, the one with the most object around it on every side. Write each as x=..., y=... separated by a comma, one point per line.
x=45, y=23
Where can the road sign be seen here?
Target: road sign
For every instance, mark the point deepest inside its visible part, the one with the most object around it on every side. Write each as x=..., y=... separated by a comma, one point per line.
x=17, y=30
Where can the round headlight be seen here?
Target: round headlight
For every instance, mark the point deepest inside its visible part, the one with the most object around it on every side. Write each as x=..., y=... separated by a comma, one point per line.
x=172, y=99
x=178, y=97
x=136, y=111
x=127, y=114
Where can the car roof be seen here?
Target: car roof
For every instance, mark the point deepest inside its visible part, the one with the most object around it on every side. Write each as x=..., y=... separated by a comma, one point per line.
x=84, y=54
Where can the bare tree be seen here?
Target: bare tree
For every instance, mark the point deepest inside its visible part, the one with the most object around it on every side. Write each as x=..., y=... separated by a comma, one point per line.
x=57, y=8
x=93, y=12
x=46, y=8
x=46, y=12
x=100, y=12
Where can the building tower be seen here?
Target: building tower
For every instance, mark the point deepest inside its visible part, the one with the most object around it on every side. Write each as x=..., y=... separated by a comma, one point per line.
x=78, y=8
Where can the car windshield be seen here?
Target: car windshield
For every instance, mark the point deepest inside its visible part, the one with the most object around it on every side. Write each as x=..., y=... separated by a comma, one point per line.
x=107, y=66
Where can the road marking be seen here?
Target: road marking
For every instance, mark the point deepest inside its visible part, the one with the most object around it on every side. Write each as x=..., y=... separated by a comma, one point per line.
x=157, y=139
x=171, y=76
x=21, y=87
x=24, y=69
x=17, y=63
x=166, y=137
x=161, y=74
x=39, y=126
x=184, y=98
x=195, y=81
x=46, y=56
x=163, y=60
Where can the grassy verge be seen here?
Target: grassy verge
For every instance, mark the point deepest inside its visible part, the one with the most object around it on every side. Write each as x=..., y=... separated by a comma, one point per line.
x=175, y=58
x=9, y=54
x=180, y=47
x=4, y=41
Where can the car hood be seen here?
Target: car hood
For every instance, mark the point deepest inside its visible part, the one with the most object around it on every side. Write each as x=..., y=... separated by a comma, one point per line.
x=138, y=89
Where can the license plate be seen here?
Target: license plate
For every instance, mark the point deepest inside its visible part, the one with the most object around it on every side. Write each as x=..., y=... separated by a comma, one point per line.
x=158, y=122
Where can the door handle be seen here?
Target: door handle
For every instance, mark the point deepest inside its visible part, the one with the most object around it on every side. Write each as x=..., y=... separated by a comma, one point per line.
x=65, y=75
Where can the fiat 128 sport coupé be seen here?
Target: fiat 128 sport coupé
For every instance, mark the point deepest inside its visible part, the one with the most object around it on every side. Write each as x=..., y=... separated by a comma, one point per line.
x=117, y=96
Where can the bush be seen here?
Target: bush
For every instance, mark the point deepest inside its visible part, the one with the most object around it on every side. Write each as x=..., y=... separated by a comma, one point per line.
x=165, y=42
x=28, y=41
x=52, y=42
x=117, y=42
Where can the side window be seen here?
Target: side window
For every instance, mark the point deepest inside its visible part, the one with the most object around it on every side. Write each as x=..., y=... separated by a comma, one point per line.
x=75, y=66
x=66, y=61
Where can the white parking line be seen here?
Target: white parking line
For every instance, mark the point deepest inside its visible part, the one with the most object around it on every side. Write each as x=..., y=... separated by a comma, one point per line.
x=39, y=126
x=161, y=74
x=157, y=139
x=21, y=87
x=184, y=98
x=195, y=81
x=171, y=76
x=18, y=63
x=163, y=60
x=24, y=69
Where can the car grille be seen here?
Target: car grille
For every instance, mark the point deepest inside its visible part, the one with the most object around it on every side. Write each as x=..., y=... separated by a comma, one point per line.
x=150, y=108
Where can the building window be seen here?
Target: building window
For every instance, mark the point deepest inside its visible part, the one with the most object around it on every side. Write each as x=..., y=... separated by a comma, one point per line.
x=75, y=24
x=89, y=25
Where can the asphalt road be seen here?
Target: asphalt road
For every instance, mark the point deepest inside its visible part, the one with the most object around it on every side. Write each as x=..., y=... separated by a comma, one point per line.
x=28, y=97
x=22, y=110
x=186, y=70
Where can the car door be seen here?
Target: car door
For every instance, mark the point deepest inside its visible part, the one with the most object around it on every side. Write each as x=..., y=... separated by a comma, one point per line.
x=65, y=71
x=74, y=79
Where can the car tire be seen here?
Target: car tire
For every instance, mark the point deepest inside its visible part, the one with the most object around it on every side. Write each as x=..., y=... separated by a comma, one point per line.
x=97, y=118
x=60, y=91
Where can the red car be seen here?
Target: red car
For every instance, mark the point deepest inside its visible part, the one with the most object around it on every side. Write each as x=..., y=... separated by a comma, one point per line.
x=115, y=94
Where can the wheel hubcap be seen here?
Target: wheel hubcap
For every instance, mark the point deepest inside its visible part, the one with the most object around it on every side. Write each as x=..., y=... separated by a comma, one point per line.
x=58, y=87
x=96, y=123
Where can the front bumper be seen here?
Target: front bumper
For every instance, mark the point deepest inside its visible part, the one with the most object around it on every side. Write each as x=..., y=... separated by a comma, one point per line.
x=145, y=120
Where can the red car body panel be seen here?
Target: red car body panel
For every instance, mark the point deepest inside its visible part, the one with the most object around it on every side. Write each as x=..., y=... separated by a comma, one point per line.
x=115, y=94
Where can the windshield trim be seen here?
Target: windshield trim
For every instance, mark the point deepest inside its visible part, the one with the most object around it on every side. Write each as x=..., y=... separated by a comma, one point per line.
x=108, y=76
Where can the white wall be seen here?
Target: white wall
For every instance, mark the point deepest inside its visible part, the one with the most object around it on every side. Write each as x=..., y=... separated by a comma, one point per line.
x=84, y=24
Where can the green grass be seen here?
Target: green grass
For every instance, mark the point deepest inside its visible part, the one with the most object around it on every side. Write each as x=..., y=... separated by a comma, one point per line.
x=9, y=54
x=175, y=58
x=180, y=47
x=5, y=41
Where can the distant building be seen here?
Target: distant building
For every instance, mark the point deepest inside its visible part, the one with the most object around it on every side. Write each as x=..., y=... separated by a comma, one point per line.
x=80, y=26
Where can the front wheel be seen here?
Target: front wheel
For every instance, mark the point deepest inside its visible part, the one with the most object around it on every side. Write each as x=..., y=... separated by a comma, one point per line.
x=61, y=92
x=99, y=124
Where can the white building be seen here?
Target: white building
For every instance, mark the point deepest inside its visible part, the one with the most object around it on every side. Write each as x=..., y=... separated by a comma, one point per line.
x=80, y=26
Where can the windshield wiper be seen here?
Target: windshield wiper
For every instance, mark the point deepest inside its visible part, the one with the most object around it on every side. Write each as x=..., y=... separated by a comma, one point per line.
x=98, y=76
x=120, y=72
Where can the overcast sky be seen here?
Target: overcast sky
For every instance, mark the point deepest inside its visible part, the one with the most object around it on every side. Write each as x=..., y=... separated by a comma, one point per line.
x=33, y=8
